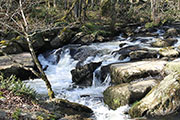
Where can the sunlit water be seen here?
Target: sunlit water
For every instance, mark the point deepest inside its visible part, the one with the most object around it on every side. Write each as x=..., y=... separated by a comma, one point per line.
x=61, y=79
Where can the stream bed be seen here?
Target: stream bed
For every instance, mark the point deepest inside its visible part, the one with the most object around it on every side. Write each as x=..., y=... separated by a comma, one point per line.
x=60, y=76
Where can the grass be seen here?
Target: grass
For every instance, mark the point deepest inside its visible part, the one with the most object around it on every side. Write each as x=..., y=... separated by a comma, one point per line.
x=16, y=86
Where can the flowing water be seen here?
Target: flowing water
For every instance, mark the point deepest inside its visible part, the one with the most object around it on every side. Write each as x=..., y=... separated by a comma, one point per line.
x=61, y=78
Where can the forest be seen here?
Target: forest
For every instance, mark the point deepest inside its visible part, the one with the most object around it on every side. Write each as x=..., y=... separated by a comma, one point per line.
x=89, y=59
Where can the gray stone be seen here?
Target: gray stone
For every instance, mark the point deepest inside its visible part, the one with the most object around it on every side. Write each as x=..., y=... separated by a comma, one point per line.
x=127, y=93
x=8, y=67
x=127, y=72
x=163, y=99
x=168, y=52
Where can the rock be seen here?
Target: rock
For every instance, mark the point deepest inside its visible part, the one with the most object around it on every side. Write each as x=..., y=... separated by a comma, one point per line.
x=159, y=42
x=82, y=53
x=63, y=38
x=141, y=54
x=171, y=32
x=8, y=67
x=168, y=52
x=126, y=50
x=104, y=72
x=100, y=38
x=3, y=114
x=76, y=39
x=127, y=93
x=75, y=117
x=68, y=108
x=172, y=67
x=88, y=39
x=12, y=48
x=127, y=72
x=164, y=99
x=83, y=75
x=53, y=57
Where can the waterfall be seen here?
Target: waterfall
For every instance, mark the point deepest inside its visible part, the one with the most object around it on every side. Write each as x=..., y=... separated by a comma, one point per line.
x=60, y=76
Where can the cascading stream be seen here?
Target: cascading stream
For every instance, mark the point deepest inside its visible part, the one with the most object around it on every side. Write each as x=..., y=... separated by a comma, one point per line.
x=61, y=78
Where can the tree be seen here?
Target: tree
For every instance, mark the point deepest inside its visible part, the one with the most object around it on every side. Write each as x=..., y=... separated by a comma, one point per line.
x=13, y=18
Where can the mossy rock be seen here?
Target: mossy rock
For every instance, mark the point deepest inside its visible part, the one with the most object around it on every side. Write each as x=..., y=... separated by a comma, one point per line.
x=163, y=99
x=128, y=93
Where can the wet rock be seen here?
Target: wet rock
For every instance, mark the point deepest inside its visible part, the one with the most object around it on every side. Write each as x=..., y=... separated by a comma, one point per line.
x=127, y=93
x=142, y=54
x=126, y=50
x=127, y=72
x=162, y=100
x=53, y=57
x=69, y=108
x=168, y=52
x=83, y=75
x=82, y=53
x=159, y=42
x=104, y=72
x=8, y=67
x=122, y=44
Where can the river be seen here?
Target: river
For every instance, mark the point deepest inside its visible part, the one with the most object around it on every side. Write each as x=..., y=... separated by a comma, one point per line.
x=61, y=79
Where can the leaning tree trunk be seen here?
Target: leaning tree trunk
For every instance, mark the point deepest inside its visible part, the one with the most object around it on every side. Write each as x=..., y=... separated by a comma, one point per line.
x=36, y=61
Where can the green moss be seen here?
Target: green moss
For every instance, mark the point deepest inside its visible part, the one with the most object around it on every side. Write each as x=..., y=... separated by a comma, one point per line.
x=16, y=86
x=16, y=114
x=150, y=25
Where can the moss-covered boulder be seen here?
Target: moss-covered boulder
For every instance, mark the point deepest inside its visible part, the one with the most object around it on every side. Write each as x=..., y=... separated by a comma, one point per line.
x=127, y=93
x=127, y=72
x=163, y=99
x=168, y=52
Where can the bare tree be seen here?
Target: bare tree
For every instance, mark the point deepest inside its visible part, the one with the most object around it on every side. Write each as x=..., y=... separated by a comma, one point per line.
x=17, y=22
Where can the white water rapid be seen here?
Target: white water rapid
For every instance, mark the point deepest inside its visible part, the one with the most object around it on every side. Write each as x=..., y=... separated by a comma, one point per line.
x=61, y=78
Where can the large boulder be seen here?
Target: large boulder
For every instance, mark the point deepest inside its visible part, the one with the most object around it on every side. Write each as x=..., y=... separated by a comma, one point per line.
x=8, y=67
x=127, y=93
x=168, y=52
x=142, y=54
x=127, y=72
x=164, y=99
x=172, y=67
x=83, y=75
x=67, y=108
x=83, y=52
x=63, y=38
x=159, y=42
x=171, y=32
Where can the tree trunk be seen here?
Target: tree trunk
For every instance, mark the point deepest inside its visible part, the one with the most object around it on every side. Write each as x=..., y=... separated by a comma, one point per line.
x=43, y=75
x=178, y=4
x=35, y=59
x=153, y=4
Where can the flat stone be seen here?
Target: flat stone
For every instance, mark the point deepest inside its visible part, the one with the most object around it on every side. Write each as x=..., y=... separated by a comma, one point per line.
x=127, y=72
